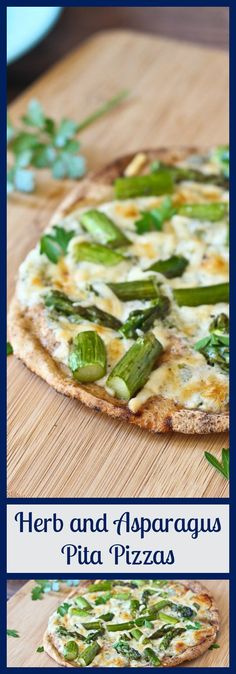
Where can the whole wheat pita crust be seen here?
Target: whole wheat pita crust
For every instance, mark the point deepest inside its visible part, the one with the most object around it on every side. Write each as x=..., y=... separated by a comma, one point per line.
x=158, y=414
x=190, y=653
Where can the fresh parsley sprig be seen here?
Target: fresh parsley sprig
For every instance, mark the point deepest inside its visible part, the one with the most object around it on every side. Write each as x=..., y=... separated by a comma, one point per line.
x=44, y=586
x=154, y=219
x=223, y=465
x=42, y=143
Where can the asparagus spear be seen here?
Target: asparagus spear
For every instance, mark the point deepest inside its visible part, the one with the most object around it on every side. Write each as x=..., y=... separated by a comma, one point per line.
x=81, y=612
x=95, y=635
x=134, y=606
x=183, y=611
x=215, y=347
x=151, y=656
x=103, y=586
x=167, y=618
x=133, y=370
x=83, y=603
x=193, y=297
x=106, y=616
x=220, y=324
x=71, y=650
x=144, y=319
x=96, y=625
x=211, y=212
x=63, y=632
x=95, y=253
x=180, y=173
x=147, y=185
x=161, y=632
x=87, y=358
x=140, y=622
x=136, y=290
x=121, y=627
x=155, y=608
x=174, y=266
x=146, y=596
x=136, y=633
x=103, y=599
x=103, y=229
x=124, y=649
x=62, y=305
x=90, y=653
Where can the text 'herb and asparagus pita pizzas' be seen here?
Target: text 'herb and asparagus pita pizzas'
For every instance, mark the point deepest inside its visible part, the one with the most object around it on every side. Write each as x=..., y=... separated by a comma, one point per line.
x=137, y=623
x=123, y=303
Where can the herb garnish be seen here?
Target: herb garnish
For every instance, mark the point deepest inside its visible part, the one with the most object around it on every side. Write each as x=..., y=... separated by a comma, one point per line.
x=213, y=646
x=63, y=609
x=42, y=586
x=153, y=220
x=9, y=349
x=40, y=649
x=12, y=633
x=223, y=466
x=215, y=347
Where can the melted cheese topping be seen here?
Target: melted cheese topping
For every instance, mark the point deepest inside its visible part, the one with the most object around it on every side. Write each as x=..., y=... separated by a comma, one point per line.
x=184, y=377
x=180, y=609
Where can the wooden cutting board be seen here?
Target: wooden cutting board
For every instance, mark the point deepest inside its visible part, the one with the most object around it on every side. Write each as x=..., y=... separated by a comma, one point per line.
x=30, y=618
x=179, y=94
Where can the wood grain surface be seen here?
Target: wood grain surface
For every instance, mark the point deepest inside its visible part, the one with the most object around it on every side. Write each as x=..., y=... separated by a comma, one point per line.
x=204, y=25
x=179, y=95
x=31, y=618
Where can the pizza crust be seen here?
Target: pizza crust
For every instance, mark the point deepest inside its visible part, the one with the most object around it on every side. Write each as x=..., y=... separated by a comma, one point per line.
x=189, y=654
x=158, y=414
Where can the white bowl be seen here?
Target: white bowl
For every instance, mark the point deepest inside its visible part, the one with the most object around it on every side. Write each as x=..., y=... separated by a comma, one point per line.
x=26, y=26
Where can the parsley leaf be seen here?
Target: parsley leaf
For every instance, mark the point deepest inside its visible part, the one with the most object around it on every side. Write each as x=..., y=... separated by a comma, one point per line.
x=35, y=115
x=40, y=649
x=154, y=219
x=63, y=609
x=9, y=349
x=41, y=587
x=12, y=633
x=223, y=466
x=55, y=245
x=215, y=347
x=213, y=646
x=37, y=593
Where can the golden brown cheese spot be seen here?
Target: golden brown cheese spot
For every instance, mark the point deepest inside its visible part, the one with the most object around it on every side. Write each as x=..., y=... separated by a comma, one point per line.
x=201, y=635
x=62, y=268
x=197, y=194
x=115, y=350
x=127, y=211
x=145, y=249
x=212, y=389
x=203, y=599
x=36, y=281
x=180, y=647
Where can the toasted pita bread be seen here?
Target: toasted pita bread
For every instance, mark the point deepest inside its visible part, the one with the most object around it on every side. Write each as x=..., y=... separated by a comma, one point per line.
x=190, y=653
x=158, y=414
